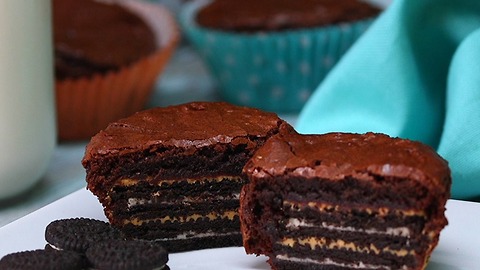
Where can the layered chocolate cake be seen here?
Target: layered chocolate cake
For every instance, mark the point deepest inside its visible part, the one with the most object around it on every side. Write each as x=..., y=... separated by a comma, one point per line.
x=344, y=201
x=174, y=174
x=94, y=37
x=275, y=15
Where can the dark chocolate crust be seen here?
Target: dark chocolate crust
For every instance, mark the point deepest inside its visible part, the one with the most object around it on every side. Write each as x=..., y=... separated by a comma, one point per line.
x=208, y=129
x=274, y=15
x=351, y=188
x=337, y=155
x=191, y=125
x=93, y=37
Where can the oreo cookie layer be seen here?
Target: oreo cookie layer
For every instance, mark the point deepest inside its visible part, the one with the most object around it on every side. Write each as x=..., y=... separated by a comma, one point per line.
x=77, y=234
x=43, y=259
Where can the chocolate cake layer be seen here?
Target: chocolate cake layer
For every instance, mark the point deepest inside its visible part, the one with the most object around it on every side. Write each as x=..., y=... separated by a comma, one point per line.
x=344, y=201
x=174, y=174
x=275, y=15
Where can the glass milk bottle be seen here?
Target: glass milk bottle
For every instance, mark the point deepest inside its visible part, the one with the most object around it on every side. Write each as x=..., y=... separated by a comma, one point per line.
x=27, y=110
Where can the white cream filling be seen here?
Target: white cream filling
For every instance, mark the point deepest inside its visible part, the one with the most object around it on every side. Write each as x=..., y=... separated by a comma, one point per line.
x=328, y=261
x=55, y=247
x=295, y=223
x=193, y=235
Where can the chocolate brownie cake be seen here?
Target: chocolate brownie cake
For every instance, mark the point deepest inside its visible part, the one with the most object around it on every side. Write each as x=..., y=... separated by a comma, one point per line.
x=344, y=201
x=274, y=15
x=94, y=37
x=174, y=174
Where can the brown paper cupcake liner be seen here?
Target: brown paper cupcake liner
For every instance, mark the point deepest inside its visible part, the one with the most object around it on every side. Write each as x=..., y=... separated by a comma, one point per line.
x=87, y=105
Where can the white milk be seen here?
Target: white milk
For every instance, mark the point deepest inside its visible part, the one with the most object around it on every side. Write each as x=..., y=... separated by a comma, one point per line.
x=27, y=111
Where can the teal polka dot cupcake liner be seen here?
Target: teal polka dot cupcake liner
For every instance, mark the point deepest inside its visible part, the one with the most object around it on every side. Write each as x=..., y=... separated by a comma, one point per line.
x=273, y=71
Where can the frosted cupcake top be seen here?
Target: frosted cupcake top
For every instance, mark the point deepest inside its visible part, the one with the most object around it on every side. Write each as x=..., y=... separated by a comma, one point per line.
x=274, y=15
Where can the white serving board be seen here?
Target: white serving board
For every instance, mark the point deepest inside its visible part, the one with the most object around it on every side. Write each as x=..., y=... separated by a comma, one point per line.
x=459, y=247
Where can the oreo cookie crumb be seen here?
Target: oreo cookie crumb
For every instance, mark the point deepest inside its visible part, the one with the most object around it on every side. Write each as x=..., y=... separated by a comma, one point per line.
x=131, y=255
x=43, y=260
x=77, y=234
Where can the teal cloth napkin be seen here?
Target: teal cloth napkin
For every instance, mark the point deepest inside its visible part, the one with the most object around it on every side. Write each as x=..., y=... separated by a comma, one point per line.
x=414, y=74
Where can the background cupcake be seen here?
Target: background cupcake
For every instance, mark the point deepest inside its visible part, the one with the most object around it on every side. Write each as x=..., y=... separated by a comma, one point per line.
x=272, y=54
x=108, y=56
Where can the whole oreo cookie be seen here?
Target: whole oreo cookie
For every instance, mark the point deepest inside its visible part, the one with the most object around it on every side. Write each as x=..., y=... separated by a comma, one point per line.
x=43, y=259
x=131, y=255
x=77, y=234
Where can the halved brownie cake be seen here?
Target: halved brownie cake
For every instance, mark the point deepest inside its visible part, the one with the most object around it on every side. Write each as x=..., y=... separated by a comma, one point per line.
x=174, y=174
x=344, y=201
